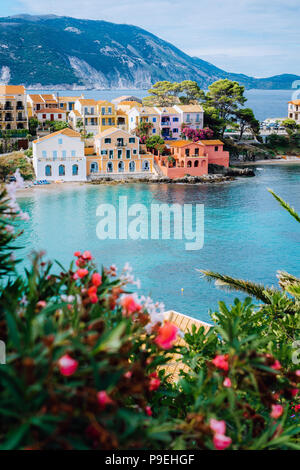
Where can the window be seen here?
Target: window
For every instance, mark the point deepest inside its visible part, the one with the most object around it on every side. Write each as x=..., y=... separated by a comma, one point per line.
x=48, y=171
x=92, y=111
x=75, y=170
x=102, y=110
x=109, y=121
x=154, y=119
x=109, y=167
x=59, y=116
x=61, y=170
x=189, y=164
x=196, y=151
x=196, y=163
x=119, y=153
x=73, y=153
x=120, y=167
x=175, y=131
x=64, y=154
x=134, y=151
x=132, y=166
x=146, y=166
x=175, y=119
x=188, y=118
x=44, y=154
x=44, y=116
x=216, y=148
x=109, y=110
x=128, y=155
x=54, y=154
x=153, y=131
x=111, y=154
x=131, y=140
x=94, y=167
x=107, y=141
x=198, y=118
x=187, y=152
x=86, y=110
x=103, y=152
x=60, y=141
x=103, y=121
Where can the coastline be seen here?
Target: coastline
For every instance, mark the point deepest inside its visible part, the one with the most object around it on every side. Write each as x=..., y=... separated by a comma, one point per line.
x=274, y=161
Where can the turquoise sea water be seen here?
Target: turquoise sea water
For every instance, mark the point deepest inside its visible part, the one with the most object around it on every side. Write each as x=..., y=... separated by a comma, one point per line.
x=265, y=103
x=247, y=235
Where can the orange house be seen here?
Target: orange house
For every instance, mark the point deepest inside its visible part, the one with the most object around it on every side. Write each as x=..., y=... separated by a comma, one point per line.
x=191, y=158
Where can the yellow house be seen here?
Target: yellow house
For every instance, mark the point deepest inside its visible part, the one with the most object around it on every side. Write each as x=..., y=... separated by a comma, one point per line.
x=117, y=151
x=107, y=115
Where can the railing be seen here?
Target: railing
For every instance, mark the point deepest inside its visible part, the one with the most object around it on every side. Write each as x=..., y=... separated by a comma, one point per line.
x=20, y=106
x=9, y=119
x=8, y=108
x=121, y=144
x=20, y=119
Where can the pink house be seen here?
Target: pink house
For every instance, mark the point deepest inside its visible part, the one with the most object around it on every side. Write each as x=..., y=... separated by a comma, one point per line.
x=191, y=158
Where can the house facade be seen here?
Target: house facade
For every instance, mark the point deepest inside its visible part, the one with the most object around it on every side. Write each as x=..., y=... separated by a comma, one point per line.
x=191, y=158
x=13, y=107
x=37, y=102
x=59, y=156
x=192, y=115
x=107, y=115
x=294, y=110
x=144, y=114
x=87, y=113
x=169, y=122
x=118, y=151
x=51, y=114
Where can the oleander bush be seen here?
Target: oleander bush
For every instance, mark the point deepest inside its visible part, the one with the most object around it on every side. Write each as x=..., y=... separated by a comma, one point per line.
x=86, y=362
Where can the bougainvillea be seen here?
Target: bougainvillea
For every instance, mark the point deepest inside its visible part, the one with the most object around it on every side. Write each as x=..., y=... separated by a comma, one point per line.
x=197, y=134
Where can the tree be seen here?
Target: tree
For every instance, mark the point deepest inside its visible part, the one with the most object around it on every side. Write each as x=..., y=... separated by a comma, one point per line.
x=163, y=94
x=58, y=125
x=212, y=120
x=246, y=119
x=155, y=143
x=290, y=126
x=33, y=125
x=192, y=93
x=225, y=96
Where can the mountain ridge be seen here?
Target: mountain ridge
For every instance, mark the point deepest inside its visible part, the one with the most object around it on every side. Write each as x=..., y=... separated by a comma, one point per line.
x=49, y=51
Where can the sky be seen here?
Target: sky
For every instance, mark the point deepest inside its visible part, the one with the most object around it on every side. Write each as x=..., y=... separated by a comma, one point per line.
x=259, y=38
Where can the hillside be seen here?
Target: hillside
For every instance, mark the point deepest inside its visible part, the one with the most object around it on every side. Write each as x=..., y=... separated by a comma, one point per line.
x=51, y=51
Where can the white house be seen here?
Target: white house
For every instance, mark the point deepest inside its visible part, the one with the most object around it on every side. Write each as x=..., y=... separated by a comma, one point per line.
x=294, y=110
x=60, y=156
x=87, y=111
x=144, y=114
x=191, y=114
x=51, y=114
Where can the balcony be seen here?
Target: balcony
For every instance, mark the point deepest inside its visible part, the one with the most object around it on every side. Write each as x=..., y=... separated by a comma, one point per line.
x=21, y=119
x=121, y=144
x=165, y=123
x=8, y=119
x=8, y=107
x=19, y=107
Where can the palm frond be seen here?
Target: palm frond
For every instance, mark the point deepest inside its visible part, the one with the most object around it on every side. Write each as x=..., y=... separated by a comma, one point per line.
x=285, y=205
x=289, y=283
x=259, y=291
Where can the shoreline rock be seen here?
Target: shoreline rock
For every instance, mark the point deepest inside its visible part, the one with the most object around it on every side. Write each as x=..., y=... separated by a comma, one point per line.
x=231, y=171
x=211, y=178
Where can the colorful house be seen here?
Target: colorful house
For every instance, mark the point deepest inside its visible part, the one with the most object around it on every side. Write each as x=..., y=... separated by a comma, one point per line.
x=191, y=158
x=59, y=156
x=192, y=115
x=118, y=151
x=294, y=110
x=107, y=115
x=87, y=114
x=170, y=125
x=50, y=114
x=13, y=108
x=146, y=114
x=36, y=102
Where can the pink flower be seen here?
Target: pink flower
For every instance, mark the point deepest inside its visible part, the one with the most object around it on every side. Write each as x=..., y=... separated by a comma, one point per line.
x=221, y=361
x=80, y=273
x=276, y=365
x=41, y=303
x=221, y=442
x=297, y=373
x=154, y=382
x=277, y=411
x=87, y=255
x=129, y=305
x=218, y=427
x=167, y=335
x=104, y=399
x=67, y=365
x=227, y=382
x=294, y=392
x=77, y=254
x=128, y=374
x=148, y=411
x=297, y=408
x=97, y=279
